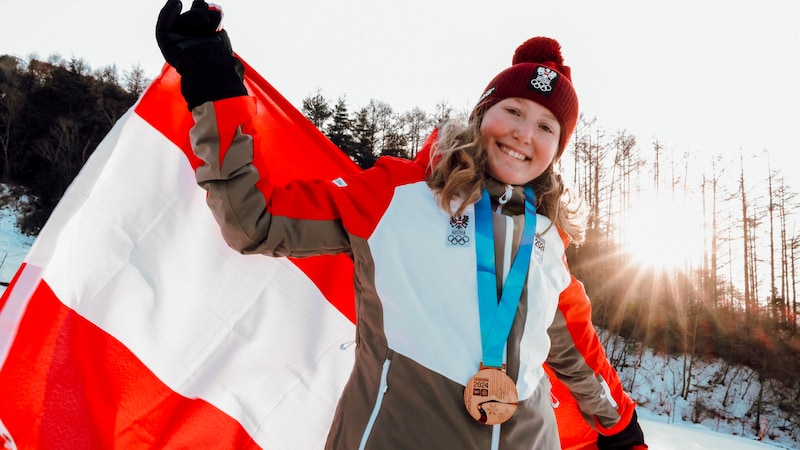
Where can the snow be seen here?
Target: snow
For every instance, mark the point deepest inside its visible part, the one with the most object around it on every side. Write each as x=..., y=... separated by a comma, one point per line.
x=13, y=245
x=681, y=436
x=723, y=399
x=652, y=380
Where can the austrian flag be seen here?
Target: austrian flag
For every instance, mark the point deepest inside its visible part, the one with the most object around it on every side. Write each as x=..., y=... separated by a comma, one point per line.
x=132, y=324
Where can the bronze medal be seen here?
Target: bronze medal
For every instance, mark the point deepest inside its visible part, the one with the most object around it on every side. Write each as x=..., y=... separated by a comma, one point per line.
x=491, y=396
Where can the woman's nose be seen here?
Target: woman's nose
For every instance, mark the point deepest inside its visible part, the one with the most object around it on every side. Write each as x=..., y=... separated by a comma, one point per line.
x=524, y=133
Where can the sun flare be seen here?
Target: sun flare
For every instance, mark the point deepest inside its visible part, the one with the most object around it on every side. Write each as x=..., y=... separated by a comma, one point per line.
x=663, y=233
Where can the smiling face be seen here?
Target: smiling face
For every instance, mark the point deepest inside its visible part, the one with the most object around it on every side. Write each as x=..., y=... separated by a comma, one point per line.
x=521, y=139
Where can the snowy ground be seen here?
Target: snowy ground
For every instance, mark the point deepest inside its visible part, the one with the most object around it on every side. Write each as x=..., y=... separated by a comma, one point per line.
x=661, y=435
x=660, y=432
x=723, y=398
x=13, y=245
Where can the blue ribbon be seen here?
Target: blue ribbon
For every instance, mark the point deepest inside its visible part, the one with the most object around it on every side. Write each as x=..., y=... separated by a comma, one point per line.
x=496, y=317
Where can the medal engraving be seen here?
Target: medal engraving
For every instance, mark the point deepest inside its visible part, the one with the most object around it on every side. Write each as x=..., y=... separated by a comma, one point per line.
x=491, y=396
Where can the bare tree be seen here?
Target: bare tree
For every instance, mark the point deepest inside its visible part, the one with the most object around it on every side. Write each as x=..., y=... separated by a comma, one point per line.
x=381, y=115
x=66, y=148
x=78, y=66
x=747, y=247
x=108, y=74
x=442, y=113
x=771, y=203
x=592, y=153
x=794, y=244
x=657, y=148
x=11, y=101
x=626, y=164
x=710, y=283
x=785, y=206
x=135, y=80
x=417, y=126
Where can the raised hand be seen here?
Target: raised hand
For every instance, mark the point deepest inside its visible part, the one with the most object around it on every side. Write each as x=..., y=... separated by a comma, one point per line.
x=195, y=44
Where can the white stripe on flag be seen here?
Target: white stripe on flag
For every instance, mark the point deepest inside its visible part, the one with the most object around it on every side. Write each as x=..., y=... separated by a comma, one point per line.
x=249, y=334
x=14, y=308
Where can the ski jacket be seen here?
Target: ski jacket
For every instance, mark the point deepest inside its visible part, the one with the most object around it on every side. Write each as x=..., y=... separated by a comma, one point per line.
x=418, y=338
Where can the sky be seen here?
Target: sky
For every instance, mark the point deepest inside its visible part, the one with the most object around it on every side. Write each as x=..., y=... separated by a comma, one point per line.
x=706, y=77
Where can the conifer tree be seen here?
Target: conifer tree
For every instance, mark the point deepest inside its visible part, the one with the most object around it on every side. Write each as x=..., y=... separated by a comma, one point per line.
x=317, y=109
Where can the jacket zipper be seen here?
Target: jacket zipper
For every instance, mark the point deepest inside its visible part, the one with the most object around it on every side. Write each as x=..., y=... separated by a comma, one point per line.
x=378, y=401
x=507, y=252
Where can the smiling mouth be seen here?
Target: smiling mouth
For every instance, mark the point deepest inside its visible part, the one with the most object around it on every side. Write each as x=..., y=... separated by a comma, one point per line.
x=512, y=153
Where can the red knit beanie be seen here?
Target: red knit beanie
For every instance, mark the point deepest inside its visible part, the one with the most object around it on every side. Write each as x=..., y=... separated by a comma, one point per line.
x=537, y=73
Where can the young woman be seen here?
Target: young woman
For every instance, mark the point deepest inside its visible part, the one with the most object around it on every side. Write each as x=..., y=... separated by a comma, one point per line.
x=462, y=288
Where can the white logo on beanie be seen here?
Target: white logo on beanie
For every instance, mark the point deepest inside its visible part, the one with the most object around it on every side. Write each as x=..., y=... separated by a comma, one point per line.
x=486, y=94
x=544, y=79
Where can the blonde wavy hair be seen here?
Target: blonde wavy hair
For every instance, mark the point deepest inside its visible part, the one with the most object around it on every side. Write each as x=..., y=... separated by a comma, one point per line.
x=457, y=171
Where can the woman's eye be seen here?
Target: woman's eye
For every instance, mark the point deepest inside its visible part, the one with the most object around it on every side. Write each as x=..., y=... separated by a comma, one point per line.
x=512, y=111
x=546, y=128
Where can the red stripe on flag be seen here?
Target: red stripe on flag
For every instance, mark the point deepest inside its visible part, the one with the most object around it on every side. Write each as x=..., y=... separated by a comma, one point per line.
x=74, y=386
x=289, y=144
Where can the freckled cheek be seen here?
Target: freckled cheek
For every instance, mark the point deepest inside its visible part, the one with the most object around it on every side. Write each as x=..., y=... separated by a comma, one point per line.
x=547, y=147
x=491, y=128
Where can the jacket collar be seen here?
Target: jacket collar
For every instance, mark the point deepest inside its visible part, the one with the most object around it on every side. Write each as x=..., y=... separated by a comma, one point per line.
x=511, y=203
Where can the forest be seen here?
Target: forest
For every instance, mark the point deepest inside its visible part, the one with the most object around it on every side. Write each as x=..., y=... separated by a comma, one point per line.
x=53, y=114
x=715, y=277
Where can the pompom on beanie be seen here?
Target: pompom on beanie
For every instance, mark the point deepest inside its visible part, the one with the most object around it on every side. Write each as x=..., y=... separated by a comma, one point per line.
x=537, y=73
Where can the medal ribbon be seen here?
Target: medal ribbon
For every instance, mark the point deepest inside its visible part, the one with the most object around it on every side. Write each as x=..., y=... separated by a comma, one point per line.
x=496, y=317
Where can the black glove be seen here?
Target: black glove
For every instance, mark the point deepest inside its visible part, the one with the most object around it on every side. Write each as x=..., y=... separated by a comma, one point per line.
x=202, y=54
x=631, y=438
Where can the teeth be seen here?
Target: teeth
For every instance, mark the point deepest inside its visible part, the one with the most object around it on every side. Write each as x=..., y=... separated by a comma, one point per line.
x=513, y=154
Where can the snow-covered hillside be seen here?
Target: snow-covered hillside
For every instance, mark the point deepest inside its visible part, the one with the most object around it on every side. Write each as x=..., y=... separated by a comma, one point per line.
x=721, y=397
x=13, y=245
x=665, y=417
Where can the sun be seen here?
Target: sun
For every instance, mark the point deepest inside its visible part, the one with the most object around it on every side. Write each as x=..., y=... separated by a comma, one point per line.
x=661, y=232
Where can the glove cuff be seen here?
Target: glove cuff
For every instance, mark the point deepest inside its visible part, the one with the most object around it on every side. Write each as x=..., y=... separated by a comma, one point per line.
x=630, y=438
